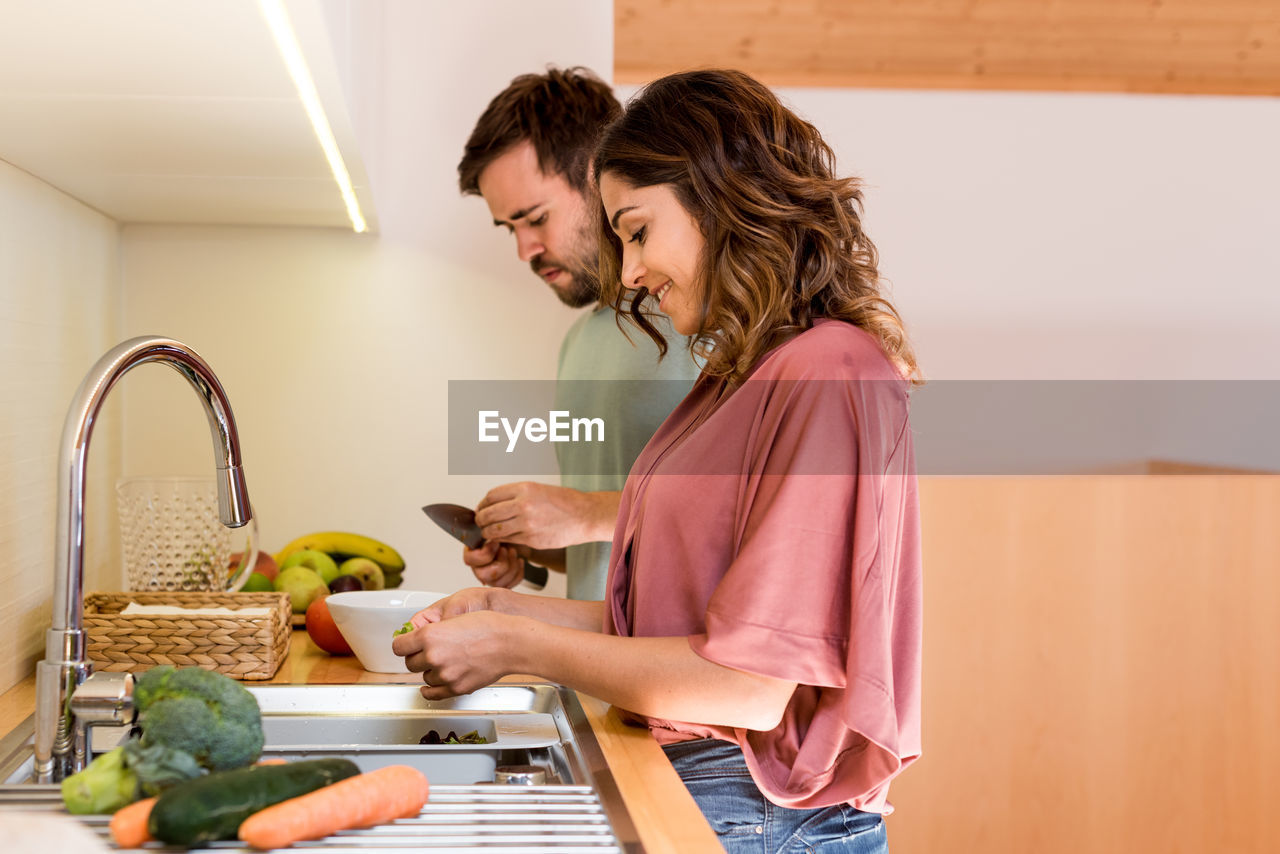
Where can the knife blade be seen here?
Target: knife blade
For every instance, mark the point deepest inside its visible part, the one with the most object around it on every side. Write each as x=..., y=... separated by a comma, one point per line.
x=460, y=523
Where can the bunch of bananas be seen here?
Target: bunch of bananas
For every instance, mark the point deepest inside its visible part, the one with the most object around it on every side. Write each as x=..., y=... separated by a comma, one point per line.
x=341, y=545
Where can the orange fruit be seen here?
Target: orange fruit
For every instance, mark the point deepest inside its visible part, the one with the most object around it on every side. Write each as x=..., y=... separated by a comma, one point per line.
x=323, y=630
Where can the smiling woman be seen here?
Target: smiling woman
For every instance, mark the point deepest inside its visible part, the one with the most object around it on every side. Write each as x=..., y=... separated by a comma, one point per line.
x=715, y=158
x=762, y=613
x=661, y=248
x=725, y=206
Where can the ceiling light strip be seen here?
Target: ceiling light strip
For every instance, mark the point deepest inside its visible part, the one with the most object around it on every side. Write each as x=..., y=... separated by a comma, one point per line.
x=291, y=51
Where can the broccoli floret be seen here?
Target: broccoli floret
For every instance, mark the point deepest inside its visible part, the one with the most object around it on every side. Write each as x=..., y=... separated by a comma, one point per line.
x=104, y=786
x=192, y=721
x=210, y=716
x=158, y=767
x=150, y=684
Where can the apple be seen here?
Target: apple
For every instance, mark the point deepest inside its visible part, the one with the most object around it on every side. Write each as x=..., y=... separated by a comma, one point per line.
x=303, y=584
x=345, y=584
x=368, y=571
x=312, y=559
x=324, y=631
x=265, y=564
x=257, y=583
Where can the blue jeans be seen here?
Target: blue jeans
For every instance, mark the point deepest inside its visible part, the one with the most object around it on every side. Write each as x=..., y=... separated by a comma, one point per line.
x=747, y=822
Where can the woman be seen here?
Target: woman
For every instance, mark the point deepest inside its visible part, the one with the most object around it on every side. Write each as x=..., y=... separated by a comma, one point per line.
x=763, y=601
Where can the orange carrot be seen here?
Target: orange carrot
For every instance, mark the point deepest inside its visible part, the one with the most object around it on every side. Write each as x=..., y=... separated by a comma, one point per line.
x=274, y=760
x=129, y=824
x=397, y=791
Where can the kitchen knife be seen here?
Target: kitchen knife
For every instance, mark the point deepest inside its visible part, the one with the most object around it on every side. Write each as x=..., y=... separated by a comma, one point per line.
x=460, y=523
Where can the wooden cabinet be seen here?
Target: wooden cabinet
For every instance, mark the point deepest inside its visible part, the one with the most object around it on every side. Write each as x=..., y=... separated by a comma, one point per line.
x=1102, y=666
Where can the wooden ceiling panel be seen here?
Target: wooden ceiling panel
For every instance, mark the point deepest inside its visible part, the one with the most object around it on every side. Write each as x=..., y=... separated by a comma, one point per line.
x=1166, y=46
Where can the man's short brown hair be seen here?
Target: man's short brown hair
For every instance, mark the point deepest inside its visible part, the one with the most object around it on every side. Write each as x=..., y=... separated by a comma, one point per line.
x=561, y=112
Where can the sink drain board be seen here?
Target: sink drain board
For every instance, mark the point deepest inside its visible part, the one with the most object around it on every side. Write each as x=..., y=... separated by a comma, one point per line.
x=495, y=819
x=579, y=810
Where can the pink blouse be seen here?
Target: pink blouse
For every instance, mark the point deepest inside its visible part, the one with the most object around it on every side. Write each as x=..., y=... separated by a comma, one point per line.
x=776, y=526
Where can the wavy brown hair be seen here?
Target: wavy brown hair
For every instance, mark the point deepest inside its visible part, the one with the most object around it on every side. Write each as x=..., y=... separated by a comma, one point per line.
x=784, y=239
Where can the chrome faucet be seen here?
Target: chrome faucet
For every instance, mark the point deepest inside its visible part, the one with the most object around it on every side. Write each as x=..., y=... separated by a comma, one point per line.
x=59, y=741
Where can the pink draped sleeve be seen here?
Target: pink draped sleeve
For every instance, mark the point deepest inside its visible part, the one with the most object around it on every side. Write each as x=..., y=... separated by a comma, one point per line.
x=818, y=579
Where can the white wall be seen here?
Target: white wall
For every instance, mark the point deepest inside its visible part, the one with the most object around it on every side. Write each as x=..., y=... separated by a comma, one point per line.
x=1071, y=236
x=1049, y=236
x=336, y=349
x=59, y=311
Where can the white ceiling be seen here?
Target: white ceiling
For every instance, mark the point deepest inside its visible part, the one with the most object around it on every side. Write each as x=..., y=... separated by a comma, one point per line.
x=173, y=110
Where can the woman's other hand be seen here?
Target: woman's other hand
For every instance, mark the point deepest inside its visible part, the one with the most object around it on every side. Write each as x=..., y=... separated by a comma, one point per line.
x=463, y=602
x=461, y=652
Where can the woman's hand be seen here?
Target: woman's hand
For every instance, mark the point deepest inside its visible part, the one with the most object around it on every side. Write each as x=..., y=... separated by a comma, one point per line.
x=463, y=602
x=457, y=650
x=477, y=636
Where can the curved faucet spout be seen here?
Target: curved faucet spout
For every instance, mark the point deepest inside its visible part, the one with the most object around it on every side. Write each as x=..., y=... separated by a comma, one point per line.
x=65, y=665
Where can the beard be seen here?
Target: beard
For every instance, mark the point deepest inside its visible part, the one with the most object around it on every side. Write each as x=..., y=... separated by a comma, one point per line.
x=583, y=288
x=583, y=270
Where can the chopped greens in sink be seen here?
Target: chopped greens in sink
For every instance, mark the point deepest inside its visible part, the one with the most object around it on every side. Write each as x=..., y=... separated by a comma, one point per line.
x=473, y=737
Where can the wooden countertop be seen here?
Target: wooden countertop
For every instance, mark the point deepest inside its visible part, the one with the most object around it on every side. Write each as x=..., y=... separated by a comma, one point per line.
x=666, y=817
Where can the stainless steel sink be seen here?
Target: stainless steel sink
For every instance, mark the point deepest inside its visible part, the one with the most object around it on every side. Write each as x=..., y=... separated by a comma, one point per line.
x=577, y=809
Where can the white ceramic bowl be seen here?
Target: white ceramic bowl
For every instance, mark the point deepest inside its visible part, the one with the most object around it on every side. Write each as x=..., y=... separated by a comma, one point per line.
x=368, y=619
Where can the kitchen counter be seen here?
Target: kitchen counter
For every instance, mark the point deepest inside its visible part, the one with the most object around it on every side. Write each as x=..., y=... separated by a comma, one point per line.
x=666, y=817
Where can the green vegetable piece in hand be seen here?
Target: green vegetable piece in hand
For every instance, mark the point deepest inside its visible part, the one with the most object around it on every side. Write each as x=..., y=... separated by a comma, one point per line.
x=104, y=786
x=405, y=629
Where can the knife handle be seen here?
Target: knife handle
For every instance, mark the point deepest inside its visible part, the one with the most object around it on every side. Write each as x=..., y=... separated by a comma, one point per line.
x=535, y=576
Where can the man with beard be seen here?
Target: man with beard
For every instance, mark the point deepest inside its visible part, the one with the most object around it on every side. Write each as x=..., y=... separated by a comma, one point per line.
x=528, y=158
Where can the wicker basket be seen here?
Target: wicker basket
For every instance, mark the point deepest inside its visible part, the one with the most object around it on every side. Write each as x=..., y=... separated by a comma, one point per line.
x=250, y=647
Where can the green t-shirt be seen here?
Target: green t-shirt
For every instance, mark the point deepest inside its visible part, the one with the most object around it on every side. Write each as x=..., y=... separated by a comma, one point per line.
x=603, y=375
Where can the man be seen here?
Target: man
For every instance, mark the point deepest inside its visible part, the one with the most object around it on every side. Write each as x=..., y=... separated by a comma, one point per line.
x=528, y=158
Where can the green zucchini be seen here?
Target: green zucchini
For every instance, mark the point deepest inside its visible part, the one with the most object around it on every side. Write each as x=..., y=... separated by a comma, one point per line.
x=213, y=806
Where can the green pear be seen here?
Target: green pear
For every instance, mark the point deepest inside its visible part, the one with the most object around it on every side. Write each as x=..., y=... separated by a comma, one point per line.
x=368, y=571
x=303, y=584
x=324, y=565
